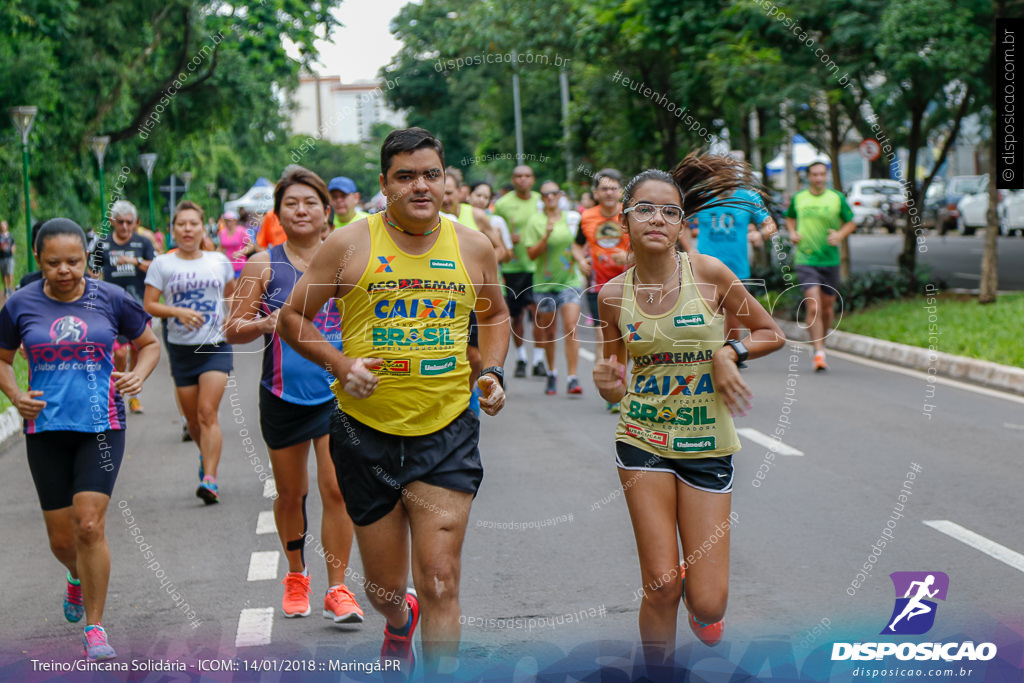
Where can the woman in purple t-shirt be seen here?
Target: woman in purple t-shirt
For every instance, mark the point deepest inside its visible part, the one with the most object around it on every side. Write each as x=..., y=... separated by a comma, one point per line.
x=73, y=409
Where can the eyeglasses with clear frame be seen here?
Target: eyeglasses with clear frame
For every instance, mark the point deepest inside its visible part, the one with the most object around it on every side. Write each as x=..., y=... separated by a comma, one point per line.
x=645, y=212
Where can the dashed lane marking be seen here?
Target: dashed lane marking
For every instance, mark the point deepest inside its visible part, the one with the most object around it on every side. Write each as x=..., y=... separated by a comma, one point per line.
x=263, y=565
x=978, y=542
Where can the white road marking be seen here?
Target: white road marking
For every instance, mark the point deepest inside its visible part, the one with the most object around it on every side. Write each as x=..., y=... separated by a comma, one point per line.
x=589, y=355
x=263, y=565
x=1010, y=425
x=269, y=489
x=254, y=626
x=978, y=542
x=774, y=445
x=924, y=376
x=265, y=523
x=969, y=276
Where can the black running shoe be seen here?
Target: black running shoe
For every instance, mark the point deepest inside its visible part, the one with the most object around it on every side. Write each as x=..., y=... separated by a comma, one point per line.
x=520, y=368
x=540, y=370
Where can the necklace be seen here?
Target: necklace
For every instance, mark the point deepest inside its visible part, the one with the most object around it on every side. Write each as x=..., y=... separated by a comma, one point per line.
x=414, y=234
x=650, y=294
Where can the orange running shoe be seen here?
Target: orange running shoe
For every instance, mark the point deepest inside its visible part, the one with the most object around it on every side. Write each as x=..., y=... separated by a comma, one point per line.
x=819, y=362
x=296, y=595
x=709, y=634
x=341, y=606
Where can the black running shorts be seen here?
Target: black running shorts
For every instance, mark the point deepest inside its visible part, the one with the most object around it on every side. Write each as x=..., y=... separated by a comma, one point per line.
x=706, y=474
x=374, y=468
x=518, y=292
x=285, y=424
x=64, y=463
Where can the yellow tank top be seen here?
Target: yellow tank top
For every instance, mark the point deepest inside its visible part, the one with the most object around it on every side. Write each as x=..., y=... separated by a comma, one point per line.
x=670, y=408
x=466, y=216
x=412, y=311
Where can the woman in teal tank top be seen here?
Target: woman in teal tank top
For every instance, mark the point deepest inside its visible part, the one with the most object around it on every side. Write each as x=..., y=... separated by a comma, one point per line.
x=678, y=399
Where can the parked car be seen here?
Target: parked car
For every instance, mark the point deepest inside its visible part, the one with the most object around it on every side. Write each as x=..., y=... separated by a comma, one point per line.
x=1011, y=213
x=875, y=201
x=973, y=209
x=956, y=188
x=933, y=201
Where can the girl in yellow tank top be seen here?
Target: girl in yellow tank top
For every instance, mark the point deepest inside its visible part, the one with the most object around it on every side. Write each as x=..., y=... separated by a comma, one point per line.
x=675, y=438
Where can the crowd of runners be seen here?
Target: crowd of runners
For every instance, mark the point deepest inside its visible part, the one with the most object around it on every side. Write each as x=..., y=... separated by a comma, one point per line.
x=385, y=335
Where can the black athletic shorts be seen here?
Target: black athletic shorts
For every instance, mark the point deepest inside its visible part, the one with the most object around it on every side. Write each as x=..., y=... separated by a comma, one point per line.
x=64, y=463
x=706, y=474
x=285, y=424
x=826, y=277
x=518, y=292
x=374, y=468
x=189, y=362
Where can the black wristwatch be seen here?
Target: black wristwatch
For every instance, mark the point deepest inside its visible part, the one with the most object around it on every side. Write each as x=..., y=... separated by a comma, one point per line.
x=741, y=351
x=497, y=372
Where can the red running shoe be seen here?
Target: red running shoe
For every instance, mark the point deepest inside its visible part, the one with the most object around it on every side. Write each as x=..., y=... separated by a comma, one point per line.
x=400, y=648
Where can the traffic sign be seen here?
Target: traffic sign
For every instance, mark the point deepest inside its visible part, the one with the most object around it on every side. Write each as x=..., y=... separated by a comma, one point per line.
x=870, y=149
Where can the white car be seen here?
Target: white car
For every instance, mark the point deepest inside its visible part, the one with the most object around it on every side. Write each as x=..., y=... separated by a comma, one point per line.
x=866, y=196
x=973, y=209
x=1011, y=213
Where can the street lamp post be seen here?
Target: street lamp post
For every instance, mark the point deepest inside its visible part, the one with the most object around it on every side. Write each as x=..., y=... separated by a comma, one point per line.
x=98, y=144
x=148, y=161
x=223, y=194
x=187, y=177
x=23, y=118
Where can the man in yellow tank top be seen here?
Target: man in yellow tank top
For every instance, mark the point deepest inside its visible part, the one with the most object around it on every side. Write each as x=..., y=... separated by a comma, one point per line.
x=404, y=443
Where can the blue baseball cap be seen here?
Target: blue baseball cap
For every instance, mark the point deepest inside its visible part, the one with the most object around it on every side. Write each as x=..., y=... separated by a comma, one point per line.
x=342, y=184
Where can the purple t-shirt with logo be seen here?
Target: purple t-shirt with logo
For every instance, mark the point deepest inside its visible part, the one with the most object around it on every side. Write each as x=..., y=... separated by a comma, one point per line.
x=70, y=352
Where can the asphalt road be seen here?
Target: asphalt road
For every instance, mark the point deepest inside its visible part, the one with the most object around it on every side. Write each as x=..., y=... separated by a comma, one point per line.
x=550, y=537
x=952, y=257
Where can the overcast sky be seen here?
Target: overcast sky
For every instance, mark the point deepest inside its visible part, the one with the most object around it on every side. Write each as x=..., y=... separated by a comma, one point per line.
x=363, y=45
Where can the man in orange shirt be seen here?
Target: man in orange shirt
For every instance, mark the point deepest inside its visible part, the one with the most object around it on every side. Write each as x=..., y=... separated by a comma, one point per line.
x=602, y=246
x=271, y=233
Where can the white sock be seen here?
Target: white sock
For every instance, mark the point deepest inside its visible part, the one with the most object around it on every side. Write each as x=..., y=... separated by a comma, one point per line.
x=571, y=378
x=538, y=355
x=521, y=353
x=552, y=372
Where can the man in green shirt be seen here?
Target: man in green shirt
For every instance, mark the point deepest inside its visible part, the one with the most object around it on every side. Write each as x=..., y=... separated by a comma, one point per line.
x=517, y=208
x=345, y=201
x=818, y=220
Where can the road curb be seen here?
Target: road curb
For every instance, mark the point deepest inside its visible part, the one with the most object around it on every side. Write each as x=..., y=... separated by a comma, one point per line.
x=10, y=429
x=985, y=373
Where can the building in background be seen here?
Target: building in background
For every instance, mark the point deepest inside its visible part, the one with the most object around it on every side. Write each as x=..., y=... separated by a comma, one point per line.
x=343, y=113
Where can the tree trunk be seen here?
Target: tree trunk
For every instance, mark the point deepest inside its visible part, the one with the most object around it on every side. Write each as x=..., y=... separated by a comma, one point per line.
x=990, y=257
x=834, y=145
x=908, y=258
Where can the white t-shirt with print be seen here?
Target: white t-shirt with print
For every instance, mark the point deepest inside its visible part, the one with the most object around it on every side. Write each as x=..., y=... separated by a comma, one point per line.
x=197, y=284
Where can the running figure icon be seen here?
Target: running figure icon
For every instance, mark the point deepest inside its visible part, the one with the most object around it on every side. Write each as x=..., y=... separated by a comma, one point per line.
x=915, y=606
x=917, y=595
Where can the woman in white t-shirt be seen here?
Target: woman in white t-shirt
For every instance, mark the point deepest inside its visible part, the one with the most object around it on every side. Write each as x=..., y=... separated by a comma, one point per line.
x=195, y=284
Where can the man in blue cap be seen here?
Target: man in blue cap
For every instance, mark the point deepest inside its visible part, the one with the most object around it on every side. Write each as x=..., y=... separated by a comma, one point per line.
x=345, y=200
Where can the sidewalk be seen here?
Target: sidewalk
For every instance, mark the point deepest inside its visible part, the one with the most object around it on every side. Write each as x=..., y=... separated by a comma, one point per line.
x=985, y=373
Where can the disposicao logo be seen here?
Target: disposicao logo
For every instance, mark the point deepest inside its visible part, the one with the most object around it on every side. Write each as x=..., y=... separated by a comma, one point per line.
x=914, y=614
